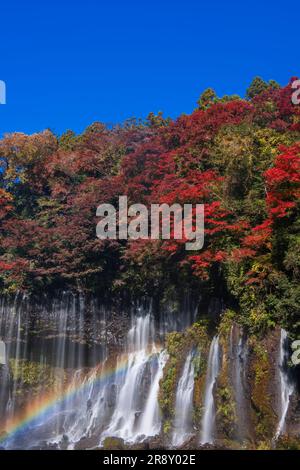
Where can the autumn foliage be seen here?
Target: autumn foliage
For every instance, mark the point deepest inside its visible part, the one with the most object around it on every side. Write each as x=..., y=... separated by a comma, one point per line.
x=238, y=157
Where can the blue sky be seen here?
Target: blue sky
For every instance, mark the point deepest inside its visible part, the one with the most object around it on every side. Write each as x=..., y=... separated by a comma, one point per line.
x=67, y=64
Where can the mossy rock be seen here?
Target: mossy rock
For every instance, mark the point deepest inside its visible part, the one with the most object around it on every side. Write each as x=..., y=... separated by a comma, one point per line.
x=227, y=320
x=288, y=443
x=113, y=443
x=168, y=383
x=261, y=380
x=226, y=413
x=199, y=384
x=35, y=377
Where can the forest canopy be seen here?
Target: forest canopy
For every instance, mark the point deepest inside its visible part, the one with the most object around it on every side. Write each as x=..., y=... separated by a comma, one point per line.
x=240, y=157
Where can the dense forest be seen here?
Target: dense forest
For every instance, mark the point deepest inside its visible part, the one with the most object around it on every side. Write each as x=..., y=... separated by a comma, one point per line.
x=240, y=157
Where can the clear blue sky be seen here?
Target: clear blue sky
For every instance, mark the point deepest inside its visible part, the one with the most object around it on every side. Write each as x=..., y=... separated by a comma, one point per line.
x=69, y=63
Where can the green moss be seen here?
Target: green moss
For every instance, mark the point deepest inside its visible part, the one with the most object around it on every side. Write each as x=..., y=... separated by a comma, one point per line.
x=174, y=341
x=167, y=389
x=199, y=363
x=113, y=443
x=264, y=416
x=167, y=427
x=261, y=364
x=226, y=413
x=226, y=416
x=168, y=383
x=288, y=443
x=264, y=445
x=228, y=317
x=35, y=376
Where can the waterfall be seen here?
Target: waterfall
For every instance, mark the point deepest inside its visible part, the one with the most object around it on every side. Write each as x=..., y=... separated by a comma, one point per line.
x=99, y=394
x=4, y=380
x=238, y=370
x=286, y=388
x=47, y=343
x=151, y=420
x=2, y=354
x=136, y=414
x=74, y=372
x=213, y=368
x=184, y=403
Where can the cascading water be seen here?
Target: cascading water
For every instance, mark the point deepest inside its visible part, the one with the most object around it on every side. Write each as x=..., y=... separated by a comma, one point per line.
x=92, y=393
x=73, y=372
x=2, y=353
x=136, y=414
x=238, y=370
x=286, y=388
x=4, y=380
x=213, y=367
x=150, y=422
x=47, y=353
x=184, y=403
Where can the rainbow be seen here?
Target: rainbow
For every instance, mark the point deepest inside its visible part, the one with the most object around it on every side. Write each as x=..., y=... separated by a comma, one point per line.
x=43, y=406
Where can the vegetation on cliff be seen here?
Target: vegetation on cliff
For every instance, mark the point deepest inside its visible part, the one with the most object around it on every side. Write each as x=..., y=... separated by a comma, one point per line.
x=238, y=156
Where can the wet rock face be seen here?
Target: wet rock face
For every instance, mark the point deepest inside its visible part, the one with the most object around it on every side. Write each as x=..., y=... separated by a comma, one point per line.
x=252, y=407
x=293, y=417
x=69, y=323
x=254, y=404
x=264, y=383
x=293, y=412
x=249, y=387
x=232, y=392
x=256, y=395
x=238, y=375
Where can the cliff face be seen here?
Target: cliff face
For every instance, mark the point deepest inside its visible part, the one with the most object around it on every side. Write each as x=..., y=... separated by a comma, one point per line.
x=248, y=389
x=82, y=374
